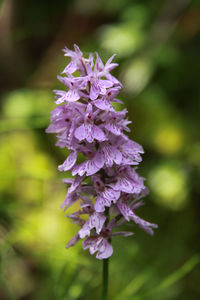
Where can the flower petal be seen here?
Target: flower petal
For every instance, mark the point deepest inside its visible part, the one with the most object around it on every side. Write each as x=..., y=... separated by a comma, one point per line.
x=69, y=200
x=70, y=68
x=99, y=204
x=129, y=214
x=73, y=241
x=89, y=132
x=75, y=184
x=92, y=243
x=91, y=167
x=94, y=91
x=103, y=104
x=99, y=160
x=146, y=226
x=112, y=127
x=96, y=220
x=122, y=233
x=105, y=250
x=80, y=132
x=72, y=96
x=110, y=195
x=105, y=83
x=69, y=162
x=98, y=133
x=79, y=169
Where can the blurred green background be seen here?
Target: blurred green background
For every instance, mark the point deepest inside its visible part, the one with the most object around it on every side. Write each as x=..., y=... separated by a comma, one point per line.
x=157, y=45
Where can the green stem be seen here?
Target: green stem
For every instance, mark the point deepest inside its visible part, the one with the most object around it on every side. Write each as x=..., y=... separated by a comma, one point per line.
x=105, y=279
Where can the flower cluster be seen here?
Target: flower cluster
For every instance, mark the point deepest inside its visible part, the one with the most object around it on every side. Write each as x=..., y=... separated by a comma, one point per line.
x=106, y=182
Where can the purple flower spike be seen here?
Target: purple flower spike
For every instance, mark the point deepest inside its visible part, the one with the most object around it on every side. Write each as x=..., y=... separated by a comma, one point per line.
x=86, y=123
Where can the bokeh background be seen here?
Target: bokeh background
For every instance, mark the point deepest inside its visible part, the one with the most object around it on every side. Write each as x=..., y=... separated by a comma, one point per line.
x=157, y=45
